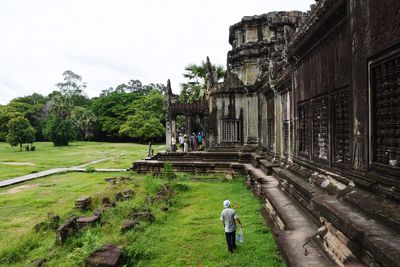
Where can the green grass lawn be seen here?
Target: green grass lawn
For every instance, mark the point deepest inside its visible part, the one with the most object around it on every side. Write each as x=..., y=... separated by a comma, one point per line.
x=189, y=234
x=47, y=156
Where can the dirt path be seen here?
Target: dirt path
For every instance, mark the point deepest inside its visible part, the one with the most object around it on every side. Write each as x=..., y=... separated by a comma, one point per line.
x=80, y=168
x=17, y=163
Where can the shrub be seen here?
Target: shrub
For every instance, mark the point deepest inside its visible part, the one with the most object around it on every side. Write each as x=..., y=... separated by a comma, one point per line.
x=86, y=245
x=90, y=169
x=168, y=172
x=150, y=185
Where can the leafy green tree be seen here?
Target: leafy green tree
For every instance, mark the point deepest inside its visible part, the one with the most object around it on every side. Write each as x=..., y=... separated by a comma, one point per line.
x=33, y=108
x=147, y=121
x=59, y=127
x=20, y=131
x=143, y=126
x=84, y=122
x=114, y=106
x=72, y=87
x=111, y=111
x=6, y=114
x=153, y=102
x=58, y=130
x=196, y=84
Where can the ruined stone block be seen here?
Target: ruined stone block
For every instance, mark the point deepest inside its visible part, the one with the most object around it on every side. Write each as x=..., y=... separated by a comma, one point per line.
x=67, y=229
x=142, y=215
x=124, y=179
x=54, y=220
x=119, y=196
x=111, y=180
x=98, y=212
x=107, y=255
x=128, y=194
x=83, y=203
x=87, y=221
x=106, y=203
x=37, y=263
x=129, y=225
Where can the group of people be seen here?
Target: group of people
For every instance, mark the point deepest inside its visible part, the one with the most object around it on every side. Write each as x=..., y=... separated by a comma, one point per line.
x=195, y=141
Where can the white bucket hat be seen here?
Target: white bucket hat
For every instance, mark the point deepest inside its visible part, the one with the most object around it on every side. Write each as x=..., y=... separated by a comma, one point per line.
x=227, y=203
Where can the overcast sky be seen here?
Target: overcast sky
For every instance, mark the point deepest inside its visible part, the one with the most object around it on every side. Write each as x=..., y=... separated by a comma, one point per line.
x=109, y=42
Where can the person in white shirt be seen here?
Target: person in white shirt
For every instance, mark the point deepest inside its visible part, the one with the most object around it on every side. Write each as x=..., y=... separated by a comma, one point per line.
x=181, y=141
x=173, y=143
x=229, y=219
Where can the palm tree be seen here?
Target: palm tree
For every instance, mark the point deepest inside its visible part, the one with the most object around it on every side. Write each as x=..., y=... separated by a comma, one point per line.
x=196, y=85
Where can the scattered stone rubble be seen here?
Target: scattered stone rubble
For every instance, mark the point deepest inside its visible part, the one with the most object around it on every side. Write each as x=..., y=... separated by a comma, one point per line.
x=136, y=216
x=37, y=263
x=106, y=203
x=83, y=203
x=52, y=222
x=69, y=228
x=129, y=225
x=164, y=194
x=114, y=180
x=107, y=255
x=83, y=222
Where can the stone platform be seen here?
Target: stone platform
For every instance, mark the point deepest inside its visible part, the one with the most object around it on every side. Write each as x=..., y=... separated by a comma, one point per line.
x=317, y=220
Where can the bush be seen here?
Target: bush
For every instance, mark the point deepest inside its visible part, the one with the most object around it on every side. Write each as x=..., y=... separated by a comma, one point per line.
x=85, y=245
x=90, y=169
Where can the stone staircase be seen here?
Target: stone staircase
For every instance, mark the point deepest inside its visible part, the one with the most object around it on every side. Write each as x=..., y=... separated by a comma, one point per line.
x=317, y=219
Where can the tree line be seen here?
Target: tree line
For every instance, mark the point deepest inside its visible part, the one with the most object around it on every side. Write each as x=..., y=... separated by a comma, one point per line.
x=131, y=111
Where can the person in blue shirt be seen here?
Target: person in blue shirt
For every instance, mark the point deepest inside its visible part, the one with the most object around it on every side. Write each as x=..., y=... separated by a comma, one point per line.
x=199, y=139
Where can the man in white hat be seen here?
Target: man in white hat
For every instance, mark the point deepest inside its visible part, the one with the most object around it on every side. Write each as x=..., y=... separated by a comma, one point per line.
x=229, y=219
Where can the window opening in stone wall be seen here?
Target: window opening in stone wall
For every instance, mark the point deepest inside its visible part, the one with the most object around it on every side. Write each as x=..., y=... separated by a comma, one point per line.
x=341, y=127
x=385, y=111
x=285, y=123
x=231, y=130
x=320, y=130
x=270, y=123
x=304, y=129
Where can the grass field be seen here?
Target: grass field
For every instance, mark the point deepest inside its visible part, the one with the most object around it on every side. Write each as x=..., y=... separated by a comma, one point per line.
x=189, y=234
x=47, y=156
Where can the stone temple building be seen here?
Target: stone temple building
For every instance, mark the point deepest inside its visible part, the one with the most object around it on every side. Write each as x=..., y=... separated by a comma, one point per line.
x=309, y=110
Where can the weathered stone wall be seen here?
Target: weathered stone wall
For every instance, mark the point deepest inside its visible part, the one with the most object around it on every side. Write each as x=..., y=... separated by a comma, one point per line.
x=331, y=56
x=375, y=31
x=258, y=44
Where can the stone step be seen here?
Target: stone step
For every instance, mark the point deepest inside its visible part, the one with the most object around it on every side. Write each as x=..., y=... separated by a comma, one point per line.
x=366, y=235
x=293, y=230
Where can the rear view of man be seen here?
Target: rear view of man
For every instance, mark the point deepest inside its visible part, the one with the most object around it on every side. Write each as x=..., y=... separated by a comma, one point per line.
x=229, y=219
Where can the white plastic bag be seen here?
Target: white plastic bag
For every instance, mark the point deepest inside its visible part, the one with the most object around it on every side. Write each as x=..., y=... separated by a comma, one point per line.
x=240, y=236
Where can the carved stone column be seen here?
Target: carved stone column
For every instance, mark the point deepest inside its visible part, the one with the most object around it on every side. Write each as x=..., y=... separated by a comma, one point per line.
x=168, y=132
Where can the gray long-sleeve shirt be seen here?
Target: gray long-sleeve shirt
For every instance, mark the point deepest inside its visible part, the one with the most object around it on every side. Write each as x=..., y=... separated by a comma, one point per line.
x=229, y=217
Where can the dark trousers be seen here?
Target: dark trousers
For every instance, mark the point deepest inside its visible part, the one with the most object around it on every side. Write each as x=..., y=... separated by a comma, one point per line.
x=230, y=240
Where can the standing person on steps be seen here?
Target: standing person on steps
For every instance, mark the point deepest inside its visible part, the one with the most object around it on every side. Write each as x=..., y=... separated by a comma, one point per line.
x=181, y=141
x=173, y=143
x=229, y=219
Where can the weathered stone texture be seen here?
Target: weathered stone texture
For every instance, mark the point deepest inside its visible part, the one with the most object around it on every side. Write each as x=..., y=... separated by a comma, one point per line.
x=108, y=255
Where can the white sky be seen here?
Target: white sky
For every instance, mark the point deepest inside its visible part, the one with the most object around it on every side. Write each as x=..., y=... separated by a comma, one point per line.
x=109, y=42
